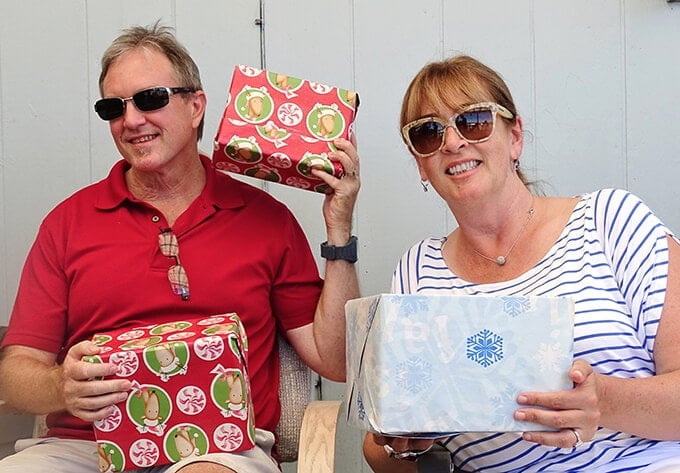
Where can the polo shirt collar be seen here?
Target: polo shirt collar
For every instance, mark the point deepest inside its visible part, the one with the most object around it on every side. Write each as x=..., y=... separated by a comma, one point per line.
x=223, y=194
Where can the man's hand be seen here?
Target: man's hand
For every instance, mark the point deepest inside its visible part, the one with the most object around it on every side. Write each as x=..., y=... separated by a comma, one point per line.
x=86, y=394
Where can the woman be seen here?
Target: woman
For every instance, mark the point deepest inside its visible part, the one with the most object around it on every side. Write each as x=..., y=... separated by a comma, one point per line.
x=605, y=249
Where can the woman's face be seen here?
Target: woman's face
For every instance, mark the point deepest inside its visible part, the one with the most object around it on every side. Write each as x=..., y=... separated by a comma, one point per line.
x=461, y=170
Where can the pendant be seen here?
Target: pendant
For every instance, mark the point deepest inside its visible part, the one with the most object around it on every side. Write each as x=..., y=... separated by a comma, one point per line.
x=500, y=260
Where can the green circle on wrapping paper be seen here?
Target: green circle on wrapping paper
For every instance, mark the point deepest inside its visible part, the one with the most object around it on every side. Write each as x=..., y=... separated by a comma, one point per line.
x=181, y=354
x=221, y=391
x=325, y=122
x=109, y=454
x=170, y=327
x=254, y=105
x=243, y=150
x=322, y=188
x=283, y=82
x=266, y=131
x=310, y=161
x=185, y=440
x=348, y=97
x=94, y=359
x=101, y=339
x=136, y=406
x=141, y=343
x=263, y=172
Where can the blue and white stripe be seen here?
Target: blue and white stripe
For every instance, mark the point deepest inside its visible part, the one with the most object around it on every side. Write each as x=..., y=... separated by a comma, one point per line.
x=612, y=259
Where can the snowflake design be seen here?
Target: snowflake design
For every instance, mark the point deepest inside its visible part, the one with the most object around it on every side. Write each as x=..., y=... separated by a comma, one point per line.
x=414, y=375
x=409, y=306
x=514, y=306
x=549, y=356
x=485, y=348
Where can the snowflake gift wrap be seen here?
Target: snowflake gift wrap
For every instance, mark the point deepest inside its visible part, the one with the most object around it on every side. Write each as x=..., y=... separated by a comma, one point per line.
x=430, y=365
x=278, y=128
x=190, y=392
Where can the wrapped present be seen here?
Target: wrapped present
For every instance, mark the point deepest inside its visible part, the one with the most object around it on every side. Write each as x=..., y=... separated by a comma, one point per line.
x=190, y=392
x=278, y=128
x=434, y=365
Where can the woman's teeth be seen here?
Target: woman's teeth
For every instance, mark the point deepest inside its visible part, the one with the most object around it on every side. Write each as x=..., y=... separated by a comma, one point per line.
x=461, y=168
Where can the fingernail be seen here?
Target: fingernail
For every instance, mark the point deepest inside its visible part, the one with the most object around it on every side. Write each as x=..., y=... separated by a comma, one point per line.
x=520, y=415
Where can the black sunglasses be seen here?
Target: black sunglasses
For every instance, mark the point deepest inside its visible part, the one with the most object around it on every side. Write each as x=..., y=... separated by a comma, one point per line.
x=146, y=100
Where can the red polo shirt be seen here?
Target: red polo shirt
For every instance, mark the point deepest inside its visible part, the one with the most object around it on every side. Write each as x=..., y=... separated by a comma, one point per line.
x=96, y=265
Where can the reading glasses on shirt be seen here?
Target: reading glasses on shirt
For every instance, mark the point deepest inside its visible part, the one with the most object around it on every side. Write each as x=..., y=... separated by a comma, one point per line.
x=474, y=123
x=146, y=100
x=177, y=275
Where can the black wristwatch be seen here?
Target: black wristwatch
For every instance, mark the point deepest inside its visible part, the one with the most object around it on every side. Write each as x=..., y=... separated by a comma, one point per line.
x=347, y=252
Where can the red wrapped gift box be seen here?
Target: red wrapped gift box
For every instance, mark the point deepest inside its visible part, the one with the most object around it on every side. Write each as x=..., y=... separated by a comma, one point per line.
x=277, y=127
x=190, y=394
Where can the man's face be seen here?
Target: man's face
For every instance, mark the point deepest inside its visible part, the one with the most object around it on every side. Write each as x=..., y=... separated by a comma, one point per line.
x=149, y=141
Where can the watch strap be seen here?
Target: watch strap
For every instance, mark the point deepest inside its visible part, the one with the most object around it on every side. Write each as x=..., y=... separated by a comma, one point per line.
x=347, y=252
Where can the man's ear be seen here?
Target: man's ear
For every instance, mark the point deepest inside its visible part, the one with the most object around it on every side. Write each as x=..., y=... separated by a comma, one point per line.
x=199, y=102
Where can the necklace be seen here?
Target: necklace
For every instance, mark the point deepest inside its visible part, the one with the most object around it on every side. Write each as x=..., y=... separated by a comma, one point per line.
x=500, y=261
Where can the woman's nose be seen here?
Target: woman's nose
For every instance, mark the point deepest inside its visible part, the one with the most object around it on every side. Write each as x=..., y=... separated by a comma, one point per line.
x=452, y=140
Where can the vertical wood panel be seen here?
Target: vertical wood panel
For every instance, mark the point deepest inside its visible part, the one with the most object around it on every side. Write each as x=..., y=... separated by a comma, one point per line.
x=653, y=105
x=579, y=93
x=218, y=38
x=393, y=41
x=503, y=41
x=44, y=158
x=310, y=40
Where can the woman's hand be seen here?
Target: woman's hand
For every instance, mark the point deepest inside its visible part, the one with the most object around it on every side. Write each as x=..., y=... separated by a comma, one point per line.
x=377, y=448
x=404, y=444
x=574, y=413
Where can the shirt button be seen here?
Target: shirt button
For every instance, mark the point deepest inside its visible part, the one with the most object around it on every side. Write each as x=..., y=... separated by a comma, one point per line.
x=155, y=219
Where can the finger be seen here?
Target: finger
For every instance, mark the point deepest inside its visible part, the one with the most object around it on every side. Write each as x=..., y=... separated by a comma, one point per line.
x=81, y=349
x=580, y=371
x=557, y=419
x=564, y=438
x=91, y=398
x=94, y=413
x=347, y=155
x=403, y=444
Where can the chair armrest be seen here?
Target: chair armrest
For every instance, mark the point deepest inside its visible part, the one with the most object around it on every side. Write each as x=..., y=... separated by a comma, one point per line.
x=317, y=437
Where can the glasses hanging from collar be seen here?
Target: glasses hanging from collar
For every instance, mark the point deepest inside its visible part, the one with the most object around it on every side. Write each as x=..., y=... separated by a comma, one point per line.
x=177, y=275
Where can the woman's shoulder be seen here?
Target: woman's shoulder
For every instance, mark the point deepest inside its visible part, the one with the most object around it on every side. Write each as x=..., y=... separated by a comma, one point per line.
x=609, y=196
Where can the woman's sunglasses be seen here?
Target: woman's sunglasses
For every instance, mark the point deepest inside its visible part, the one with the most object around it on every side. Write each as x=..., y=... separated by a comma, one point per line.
x=475, y=124
x=146, y=100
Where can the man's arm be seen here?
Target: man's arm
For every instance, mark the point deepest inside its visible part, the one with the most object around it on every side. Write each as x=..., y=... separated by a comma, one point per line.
x=32, y=382
x=322, y=344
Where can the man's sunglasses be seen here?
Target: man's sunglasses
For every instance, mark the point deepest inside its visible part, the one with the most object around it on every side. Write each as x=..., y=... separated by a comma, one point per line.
x=146, y=100
x=475, y=124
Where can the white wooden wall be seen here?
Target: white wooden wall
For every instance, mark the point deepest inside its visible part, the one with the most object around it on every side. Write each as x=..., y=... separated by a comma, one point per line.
x=597, y=82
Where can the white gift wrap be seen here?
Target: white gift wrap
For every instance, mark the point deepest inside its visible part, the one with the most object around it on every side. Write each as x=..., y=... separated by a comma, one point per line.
x=432, y=365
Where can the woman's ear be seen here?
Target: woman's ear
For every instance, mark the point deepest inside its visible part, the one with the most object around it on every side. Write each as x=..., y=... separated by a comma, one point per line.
x=421, y=170
x=517, y=143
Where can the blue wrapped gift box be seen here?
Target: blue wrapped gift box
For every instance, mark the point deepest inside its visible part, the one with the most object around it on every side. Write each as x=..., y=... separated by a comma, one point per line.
x=429, y=365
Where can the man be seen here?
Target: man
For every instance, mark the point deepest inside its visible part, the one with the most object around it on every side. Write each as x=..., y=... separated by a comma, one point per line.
x=97, y=265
